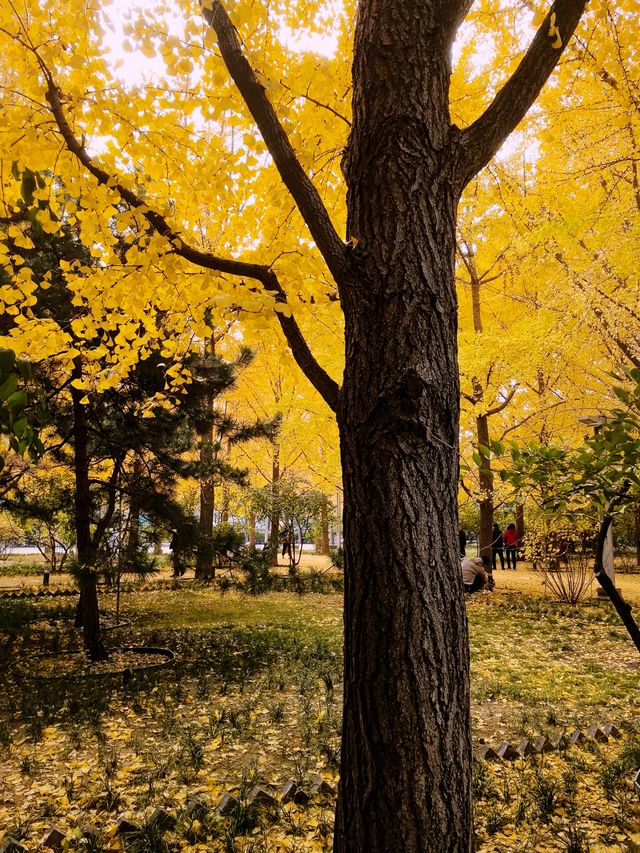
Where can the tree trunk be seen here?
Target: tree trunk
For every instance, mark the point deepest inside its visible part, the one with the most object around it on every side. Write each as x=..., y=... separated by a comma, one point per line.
x=405, y=781
x=520, y=522
x=207, y=495
x=133, y=539
x=485, y=479
x=485, y=474
x=87, y=614
x=623, y=609
x=204, y=566
x=274, y=543
x=224, y=516
x=252, y=530
x=324, y=528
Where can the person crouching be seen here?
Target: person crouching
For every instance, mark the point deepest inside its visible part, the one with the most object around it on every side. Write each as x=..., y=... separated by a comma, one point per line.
x=476, y=573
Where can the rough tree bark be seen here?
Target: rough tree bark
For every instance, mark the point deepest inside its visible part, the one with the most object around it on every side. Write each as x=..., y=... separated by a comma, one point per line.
x=406, y=704
x=520, y=528
x=485, y=473
x=477, y=398
x=485, y=480
x=324, y=528
x=225, y=496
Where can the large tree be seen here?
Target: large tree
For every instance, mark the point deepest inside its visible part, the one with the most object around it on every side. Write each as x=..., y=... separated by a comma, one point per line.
x=406, y=748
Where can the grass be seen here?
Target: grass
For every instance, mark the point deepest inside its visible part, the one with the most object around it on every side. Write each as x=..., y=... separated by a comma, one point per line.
x=205, y=607
x=255, y=697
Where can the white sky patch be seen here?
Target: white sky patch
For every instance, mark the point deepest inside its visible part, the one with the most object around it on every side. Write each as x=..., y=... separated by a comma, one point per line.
x=133, y=66
x=305, y=42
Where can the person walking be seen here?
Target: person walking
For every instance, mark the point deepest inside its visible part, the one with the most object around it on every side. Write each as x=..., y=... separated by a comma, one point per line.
x=497, y=547
x=510, y=539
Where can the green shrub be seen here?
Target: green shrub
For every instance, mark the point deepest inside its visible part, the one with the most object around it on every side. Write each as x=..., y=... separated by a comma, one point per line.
x=256, y=566
x=337, y=557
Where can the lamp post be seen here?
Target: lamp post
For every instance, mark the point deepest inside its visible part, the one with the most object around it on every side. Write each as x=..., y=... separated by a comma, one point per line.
x=596, y=422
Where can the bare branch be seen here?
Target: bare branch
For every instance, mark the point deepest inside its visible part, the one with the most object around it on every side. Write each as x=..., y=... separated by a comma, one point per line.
x=479, y=142
x=333, y=249
x=307, y=97
x=327, y=387
x=527, y=418
x=503, y=405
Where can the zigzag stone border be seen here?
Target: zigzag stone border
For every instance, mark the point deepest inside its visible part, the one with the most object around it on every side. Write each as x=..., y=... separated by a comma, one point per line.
x=37, y=593
x=196, y=807
x=540, y=745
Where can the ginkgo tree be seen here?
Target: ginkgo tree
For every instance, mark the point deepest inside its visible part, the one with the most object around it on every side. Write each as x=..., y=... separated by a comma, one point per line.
x=306, y=447
x=524, y=357
x=235, y=204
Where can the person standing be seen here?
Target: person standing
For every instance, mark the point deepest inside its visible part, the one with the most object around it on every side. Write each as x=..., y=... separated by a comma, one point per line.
x=510, y=539
x=462, y=539
x=287, y=542
x=497, y=547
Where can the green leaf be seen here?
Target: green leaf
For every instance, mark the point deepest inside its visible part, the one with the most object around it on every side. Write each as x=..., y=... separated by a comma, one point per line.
x=7, y=360
x=17, y=400
x=8, y=387
x=622, y=394
x=28, y=186
x=634, y=373
x=20, y=426
x=23, y=366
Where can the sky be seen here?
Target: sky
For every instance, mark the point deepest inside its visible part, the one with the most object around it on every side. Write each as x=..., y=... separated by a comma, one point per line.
x=134, y=66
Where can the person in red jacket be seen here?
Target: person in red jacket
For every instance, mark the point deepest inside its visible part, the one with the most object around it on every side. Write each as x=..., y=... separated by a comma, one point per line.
x=510, y=539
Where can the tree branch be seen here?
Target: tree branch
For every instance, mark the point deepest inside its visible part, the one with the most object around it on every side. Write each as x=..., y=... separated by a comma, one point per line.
x=503, y=405
x=452, y=12
x=103, y=523
x=524, y=420
x=319, y=378
x=333, y=249
x=480, y=141
x=623, y=609
x=307, y=97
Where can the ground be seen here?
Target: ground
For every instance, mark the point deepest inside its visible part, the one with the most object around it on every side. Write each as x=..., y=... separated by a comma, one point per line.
x=254, y=696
